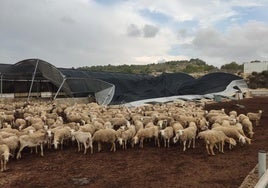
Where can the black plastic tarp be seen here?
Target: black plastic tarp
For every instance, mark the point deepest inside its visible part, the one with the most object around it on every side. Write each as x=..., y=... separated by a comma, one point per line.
x=118, y=88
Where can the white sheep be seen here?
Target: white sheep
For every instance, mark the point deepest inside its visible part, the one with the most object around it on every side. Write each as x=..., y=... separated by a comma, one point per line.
x=247, y=126
x=12, y=142
x=234, y=133
x=255, y=117
x=126, y=135
x=167, y=134
x=4, y=156
x=61, y=134
x=149, y=132
x=34, y=139
x=84, y=138
x=186, y=134
x=20, y=123
x=105, y=135
x=212, y=137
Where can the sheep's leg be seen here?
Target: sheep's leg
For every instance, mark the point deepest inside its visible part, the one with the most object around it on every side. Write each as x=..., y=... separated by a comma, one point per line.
x=41, y=147
x=19, y=152
x=2, y=165
x=5, y=165
x=141, y=143
x=184, y=145
x=222, y=147
x=207, y=148
x=113, y=147
x=158, y=142
x=36, y=151
x=189, y=144
x=85, y=145
x=193, y=142
x=168, y=143
x=211, y=149
x=78, y=146
x=125, y=145
x=99, y=146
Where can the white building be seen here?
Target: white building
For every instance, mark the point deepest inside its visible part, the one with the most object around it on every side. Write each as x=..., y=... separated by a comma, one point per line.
x=255, y=67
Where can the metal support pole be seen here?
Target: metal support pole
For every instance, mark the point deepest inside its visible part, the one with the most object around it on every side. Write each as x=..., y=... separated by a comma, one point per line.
x=59, y=88
x=261, y=163
x=30, y=90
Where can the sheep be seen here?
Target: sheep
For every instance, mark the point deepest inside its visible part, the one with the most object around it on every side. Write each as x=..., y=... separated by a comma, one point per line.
x=126, y=135
x=187, y=134
x=212, y=137
x=61, y=134
x=255, y=117
x=83, y=138
x=88, y=128
x=149, y=132
x=233, y=113
x=247, y=126
x=34, y=139
x=105, y=135
x=138, y=125
x=176, y=126
x=4, y=156
x=12, y=142
x=20, y=123
x=167, y=133
x=233, y=133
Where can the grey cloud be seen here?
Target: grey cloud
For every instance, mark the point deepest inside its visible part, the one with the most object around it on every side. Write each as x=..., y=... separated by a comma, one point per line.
x=182, y=33
x=133, y=31
x=67, y=19
x=150, y=31
x=240, y=43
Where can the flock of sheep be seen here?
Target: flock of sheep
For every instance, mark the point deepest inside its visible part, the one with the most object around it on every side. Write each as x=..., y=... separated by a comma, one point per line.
x=50, y=125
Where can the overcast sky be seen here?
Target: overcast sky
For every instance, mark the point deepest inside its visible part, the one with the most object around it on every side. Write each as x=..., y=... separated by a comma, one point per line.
x=76, y=33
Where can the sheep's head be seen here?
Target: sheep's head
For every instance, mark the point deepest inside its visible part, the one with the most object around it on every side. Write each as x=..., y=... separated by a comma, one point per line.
x=135, y=139
x=6, y=156
x=175, y=138
x=49, y=133
x=120, y=141
x=55, y=142
x=242, y=139
x=179, y=132
x=162, y=132
x=232, y=141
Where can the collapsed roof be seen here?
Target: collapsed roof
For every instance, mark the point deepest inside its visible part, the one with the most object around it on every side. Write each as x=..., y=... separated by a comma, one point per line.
x=118, y=88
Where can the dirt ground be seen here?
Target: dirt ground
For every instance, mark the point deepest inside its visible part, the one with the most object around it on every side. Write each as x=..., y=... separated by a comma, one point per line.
x=147, y=167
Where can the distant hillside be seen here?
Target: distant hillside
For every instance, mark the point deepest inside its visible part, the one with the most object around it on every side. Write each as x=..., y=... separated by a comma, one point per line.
x=192, y=66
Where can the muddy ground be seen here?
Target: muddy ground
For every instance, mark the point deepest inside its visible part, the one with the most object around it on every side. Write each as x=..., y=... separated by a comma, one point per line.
x=147, y=167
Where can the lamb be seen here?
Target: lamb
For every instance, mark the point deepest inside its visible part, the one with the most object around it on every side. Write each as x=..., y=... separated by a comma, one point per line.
x=60, y=135
x=187, y=134
x=105, y=135
x=167, y=133
x=126, y=135
x=34, y=139
x=149, y=132
x=212, y=137
x=83, y=138
x=255, y=117
x=4, y=156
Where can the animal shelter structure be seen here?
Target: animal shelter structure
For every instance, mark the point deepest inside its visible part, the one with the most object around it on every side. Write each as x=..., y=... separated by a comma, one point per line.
x=35, y=77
